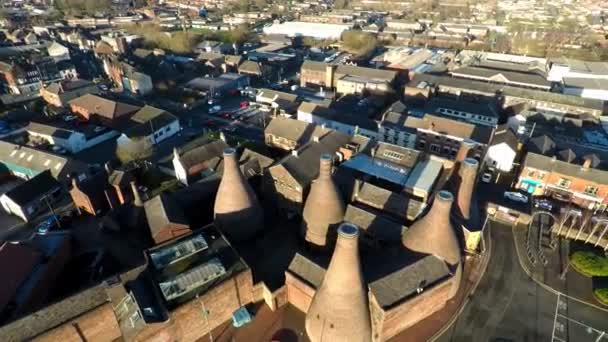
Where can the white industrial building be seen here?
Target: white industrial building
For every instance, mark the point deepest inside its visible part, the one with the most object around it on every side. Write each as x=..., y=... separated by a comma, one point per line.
x=305, y=29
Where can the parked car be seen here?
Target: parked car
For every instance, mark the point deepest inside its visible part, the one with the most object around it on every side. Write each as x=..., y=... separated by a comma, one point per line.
x=544, y=204
x=228, y=129
x=486, y=177
x=244, y=104
x=48, y=224
x=516, y=196
x=215, y=109
x=103, y=87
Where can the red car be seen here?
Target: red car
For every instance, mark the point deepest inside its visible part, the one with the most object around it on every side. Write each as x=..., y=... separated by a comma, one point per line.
x=234, y=92
x=210, y=123
x=244, y=104
x=226, y=115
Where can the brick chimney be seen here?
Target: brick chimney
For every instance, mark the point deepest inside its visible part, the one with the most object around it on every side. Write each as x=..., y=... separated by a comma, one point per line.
x=465, y=149
x=324, y=208
x=330, y=70
x=467, y=174
x=237, y=211
x=339, y=310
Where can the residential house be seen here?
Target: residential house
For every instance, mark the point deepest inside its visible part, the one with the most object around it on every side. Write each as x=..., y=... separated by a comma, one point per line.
x=28, y=199
x=71, y=138
x=94, y=195
x=92, y=106
x=166, y=219
x=347, y=79
x=440, y=136
x=127, y=77
x=58, y=94
x=289, y=134
x=58, y=52
x=256, y=70
x=205, y=161
x=26, y=162
x=567, y=177
x=503, y=150
x=288, y=181
x=347, y=122
x=284, y=102
x=149, y=124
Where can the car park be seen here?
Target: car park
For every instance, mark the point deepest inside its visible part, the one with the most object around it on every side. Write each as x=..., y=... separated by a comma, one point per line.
x=516, y=196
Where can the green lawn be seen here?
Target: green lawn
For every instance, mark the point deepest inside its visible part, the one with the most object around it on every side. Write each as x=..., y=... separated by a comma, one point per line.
x=589, y=263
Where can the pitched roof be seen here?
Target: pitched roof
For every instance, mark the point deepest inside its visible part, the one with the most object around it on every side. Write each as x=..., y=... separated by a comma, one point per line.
x=103, y=48
x=377, y=225
x=503, y=76
x=13, y=155
x=504, y=135
x=549, y=164
x=541, y=144
x=98, y=105
x=306, y=270
x=304, y=167
x=49, y=130
x=567, y=155
x=146, y=120
x=405, y=282
x=33, y=188
x=16, y=263
x=202, y=153
x=250, y=67
x=161, y=211
x=594, y=160
x=352, y=70
x=295, y=130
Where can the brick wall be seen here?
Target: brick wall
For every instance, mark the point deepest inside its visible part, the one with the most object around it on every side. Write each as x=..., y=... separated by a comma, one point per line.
x=299, y=294
x=414, y=310
x=99, y=324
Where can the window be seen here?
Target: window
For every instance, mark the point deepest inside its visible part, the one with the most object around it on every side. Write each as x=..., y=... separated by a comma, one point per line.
x=591, y=190
x=421, y=144
x=564, y=183
x=167, y=129
x=47, y=162
x=446, y=150
x=435, y=148
x=393, y=155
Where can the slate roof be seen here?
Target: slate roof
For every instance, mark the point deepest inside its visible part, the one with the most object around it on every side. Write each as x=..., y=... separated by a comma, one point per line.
x=49, y=130
x=33, y=188
x=273, y=95
x=586, y=83
x=387, y=201
x=307, y=270
x=498, y=76
x=377, y=225
x=542, y=144
x=504, y=135
x=304, y=167
x=398, y=286
x=161, y=211
x=567, y=155
x=16, y=263
x=145, y=120
x=250, y=67
x=295, y=130
x=549, y=164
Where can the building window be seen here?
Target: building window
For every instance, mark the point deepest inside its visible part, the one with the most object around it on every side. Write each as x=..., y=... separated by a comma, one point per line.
x=421, y=144
x=563, y=183
x=435, y=148
x=393, y=155
x=591, y=190
x=446, y=150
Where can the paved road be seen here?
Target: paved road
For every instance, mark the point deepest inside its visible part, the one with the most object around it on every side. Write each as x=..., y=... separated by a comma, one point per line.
x=509, y=306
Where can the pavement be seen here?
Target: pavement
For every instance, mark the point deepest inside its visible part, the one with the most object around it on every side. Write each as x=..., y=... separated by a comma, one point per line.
x=509, y=305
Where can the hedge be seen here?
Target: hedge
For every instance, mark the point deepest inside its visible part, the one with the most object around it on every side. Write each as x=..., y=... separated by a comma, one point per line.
x=601, y=295
x=590, y=263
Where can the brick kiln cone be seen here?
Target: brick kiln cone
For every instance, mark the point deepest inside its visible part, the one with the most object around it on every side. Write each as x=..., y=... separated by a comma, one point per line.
x=237, y=211
x=465, y=149
x=339, y=311
x=433, y=234
x=324, y=207
x=467, y=172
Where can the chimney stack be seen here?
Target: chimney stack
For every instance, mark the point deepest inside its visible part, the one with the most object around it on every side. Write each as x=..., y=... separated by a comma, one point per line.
x=136, y=197
x=339, y=310
x=465, y=148
x=324, y=208
x=467, y=174
x=587, y=163
x=433, y=234
x=330, y=70
x=237, y=211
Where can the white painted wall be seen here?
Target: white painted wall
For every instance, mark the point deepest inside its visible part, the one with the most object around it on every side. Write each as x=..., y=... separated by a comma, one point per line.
x=501, y=157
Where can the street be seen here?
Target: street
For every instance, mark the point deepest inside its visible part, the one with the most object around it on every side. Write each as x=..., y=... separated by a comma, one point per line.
x=509, y=306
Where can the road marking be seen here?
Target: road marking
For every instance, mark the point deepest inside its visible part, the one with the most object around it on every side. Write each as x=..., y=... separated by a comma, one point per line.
x=555, y=318
x=580, y=323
